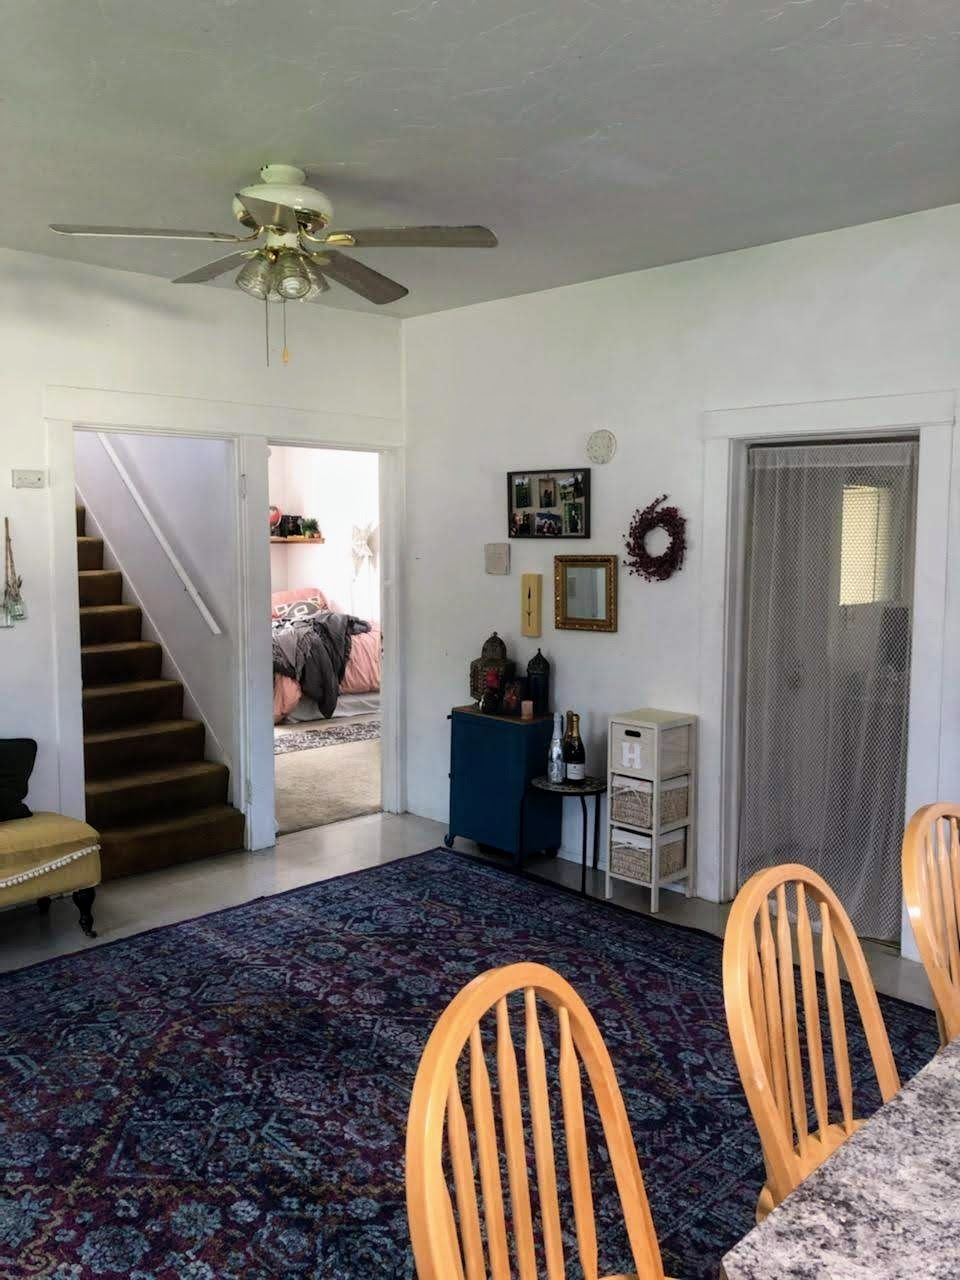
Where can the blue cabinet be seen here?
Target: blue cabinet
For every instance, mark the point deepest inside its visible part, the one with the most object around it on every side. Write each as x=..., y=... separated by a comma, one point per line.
x=492, y=759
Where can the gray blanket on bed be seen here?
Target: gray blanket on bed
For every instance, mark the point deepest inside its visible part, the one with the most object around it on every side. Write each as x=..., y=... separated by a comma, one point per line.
x=315, y=652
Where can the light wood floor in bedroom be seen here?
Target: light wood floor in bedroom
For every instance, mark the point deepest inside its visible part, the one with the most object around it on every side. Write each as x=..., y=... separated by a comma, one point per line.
x=326, y=783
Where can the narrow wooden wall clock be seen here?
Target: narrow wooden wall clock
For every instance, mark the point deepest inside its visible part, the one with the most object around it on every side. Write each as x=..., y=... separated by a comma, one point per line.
x=531, y=593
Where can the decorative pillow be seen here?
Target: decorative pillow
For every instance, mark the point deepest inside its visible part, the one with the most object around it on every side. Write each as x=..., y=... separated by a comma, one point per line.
x=297, y=610
x=17, y=756
x=279, y=598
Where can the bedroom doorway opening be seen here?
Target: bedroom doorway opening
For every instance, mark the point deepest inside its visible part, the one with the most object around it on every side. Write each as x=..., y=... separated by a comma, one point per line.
x=325, y=570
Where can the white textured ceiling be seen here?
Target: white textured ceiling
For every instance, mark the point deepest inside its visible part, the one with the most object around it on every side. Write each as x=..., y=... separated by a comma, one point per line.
x=594, y=136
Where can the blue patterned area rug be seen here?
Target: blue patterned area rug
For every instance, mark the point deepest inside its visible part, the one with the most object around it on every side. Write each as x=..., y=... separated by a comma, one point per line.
x=225, y=1099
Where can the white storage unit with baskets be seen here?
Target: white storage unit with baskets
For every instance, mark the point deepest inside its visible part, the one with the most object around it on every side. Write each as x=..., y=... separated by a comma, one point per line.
x=651, y=773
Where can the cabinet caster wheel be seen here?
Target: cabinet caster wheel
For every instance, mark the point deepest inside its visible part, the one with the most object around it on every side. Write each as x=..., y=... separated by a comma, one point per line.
x=448, y=840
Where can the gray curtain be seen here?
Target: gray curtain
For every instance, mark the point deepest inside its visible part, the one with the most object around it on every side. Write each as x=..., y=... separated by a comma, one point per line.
x=827, y=658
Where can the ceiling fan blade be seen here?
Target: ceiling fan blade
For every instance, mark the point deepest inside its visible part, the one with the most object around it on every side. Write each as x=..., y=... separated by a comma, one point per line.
x=411, y=237
x=267, y=214
x=147, y=233
x=215, y=268
x=364, y=280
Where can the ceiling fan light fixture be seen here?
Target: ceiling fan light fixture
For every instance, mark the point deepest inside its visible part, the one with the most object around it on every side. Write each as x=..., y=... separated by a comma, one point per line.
x=290, y=277
x=256, y=278
x=318, y=284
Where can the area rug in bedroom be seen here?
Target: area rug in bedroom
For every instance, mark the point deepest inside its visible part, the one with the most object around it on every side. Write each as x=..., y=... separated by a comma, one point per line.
x=225, y=1099
x=288, y=740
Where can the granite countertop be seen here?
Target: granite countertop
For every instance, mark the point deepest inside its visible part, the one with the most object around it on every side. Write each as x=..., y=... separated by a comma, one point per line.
x=885, y=1206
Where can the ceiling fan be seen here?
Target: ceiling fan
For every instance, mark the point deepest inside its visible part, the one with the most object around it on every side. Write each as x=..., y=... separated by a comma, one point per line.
x=291, y=254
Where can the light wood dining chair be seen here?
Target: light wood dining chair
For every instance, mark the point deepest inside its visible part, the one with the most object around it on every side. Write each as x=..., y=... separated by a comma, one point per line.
x=760, y=994
x=449, y=1247
x=931, y=887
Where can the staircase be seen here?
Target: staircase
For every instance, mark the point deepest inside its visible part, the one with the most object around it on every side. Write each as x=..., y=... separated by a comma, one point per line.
x=150, y=793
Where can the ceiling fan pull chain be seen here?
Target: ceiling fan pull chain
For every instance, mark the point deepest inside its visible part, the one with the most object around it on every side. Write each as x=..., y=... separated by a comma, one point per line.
x=266, y=328
x=286, y=353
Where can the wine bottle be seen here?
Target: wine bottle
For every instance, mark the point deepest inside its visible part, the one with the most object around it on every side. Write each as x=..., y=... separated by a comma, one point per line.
x=556, y=769
x=574, y=756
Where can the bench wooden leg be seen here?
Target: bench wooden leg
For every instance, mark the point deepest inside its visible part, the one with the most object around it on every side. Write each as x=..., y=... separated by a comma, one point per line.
x=84, y=901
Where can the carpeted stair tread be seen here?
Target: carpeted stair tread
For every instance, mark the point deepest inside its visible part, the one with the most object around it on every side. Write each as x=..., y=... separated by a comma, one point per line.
x=90, y=553
x=164, y=842
x=154, y=798
x=109, y=706
x=118, y=661
x=100, y=586
x=154, y=792
x=108, y=752
x=109, y=623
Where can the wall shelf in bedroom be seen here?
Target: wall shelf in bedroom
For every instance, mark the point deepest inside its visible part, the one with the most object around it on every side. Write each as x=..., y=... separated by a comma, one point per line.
x=280, y=542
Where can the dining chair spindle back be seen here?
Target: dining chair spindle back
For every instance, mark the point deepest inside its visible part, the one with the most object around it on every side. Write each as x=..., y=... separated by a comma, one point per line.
x=931, y=887
x=761, y=948
x=448, y=1240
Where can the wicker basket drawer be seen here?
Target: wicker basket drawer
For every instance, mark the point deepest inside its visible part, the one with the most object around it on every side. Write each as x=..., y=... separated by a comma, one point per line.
x=631, y=854
x=631, y=801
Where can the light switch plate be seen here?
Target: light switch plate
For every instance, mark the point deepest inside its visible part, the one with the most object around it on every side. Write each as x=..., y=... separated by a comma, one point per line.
x=27, y=479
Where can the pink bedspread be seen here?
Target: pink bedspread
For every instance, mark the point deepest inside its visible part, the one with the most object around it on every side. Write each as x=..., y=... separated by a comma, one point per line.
x=363, y=670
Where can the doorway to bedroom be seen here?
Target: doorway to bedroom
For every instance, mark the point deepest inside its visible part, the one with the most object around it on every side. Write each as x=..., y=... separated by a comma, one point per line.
x=325, y=623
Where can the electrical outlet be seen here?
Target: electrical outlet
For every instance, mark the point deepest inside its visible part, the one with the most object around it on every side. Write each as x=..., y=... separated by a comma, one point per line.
x=23, y=479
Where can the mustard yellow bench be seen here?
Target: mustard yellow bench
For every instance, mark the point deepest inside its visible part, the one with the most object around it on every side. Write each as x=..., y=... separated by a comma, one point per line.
x=46, y=855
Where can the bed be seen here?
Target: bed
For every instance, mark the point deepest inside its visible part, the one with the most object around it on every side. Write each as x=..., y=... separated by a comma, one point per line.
x=362, y=676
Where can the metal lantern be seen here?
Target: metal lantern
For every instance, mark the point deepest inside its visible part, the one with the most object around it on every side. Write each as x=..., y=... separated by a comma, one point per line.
x=538, y=683
x=493, y=657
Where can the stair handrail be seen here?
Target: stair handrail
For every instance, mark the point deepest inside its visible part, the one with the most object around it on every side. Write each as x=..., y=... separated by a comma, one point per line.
x=157, y=532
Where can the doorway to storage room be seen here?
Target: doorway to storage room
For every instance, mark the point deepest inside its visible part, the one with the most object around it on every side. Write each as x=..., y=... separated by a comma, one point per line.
x=325, y=618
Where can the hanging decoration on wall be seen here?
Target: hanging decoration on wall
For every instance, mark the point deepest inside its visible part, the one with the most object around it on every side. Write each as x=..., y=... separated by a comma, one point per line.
x=531, y=593
x=496, y=557
x=12, y=608
x=364, y=540
x=640, y=560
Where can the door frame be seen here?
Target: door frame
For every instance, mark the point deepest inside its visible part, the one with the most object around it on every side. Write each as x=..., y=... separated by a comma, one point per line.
x=254, y=546
x=726, y=434
x=66, y=409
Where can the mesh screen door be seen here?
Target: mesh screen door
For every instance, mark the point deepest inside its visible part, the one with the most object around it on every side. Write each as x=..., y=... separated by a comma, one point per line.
x=827, y=661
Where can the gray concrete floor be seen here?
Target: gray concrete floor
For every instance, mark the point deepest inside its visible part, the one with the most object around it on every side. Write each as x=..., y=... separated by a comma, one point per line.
x=129, y=906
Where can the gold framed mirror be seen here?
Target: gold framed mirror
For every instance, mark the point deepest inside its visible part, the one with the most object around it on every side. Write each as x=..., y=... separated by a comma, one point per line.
x=585, y=593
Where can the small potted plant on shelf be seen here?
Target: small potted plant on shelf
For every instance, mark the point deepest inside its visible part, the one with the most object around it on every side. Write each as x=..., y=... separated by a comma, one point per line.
x=311, y=529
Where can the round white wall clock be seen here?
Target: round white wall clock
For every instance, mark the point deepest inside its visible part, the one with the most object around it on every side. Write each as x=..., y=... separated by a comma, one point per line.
x=601, y=445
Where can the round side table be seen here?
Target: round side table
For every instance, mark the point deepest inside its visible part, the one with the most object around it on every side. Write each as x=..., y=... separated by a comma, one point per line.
x=588, y=787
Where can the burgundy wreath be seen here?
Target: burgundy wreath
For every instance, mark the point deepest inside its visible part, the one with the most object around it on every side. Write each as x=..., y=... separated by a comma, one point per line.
x=640, y=561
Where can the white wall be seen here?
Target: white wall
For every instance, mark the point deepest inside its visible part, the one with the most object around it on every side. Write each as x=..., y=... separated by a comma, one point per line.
x=340, y=489
x=63, y=325
x=520, y=383
x=189, y=486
